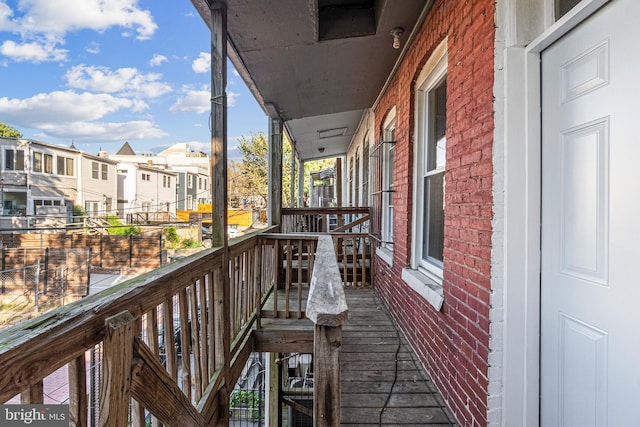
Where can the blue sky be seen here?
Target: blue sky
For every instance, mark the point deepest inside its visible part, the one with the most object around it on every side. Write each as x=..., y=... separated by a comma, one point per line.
x=102, y=72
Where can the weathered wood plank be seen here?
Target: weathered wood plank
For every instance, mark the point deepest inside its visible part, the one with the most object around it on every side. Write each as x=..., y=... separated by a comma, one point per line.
x=34, y=395
x=78, y=402
x=167, y=402
x=116, y=370
x=326, y=390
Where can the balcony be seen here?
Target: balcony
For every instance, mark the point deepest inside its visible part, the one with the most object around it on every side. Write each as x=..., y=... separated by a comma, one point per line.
x=270, y=292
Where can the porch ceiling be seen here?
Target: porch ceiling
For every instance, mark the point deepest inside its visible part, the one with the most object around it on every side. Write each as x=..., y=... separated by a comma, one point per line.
x=316, y=64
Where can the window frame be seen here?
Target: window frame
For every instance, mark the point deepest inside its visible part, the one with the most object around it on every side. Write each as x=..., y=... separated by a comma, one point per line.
x=388, y=187
x=95, y=170
x=37, y=162
x=104, y=171
x=14, y=159
x=432, y=76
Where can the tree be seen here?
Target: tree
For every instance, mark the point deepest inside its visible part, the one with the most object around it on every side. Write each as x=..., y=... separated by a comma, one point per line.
x=9, y=131
x=254, y=167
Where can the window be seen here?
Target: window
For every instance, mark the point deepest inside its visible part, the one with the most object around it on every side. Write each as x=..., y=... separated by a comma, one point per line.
x=388, y=166
x=206, y=184
x=365, y=171
x=37, y=162
x=356, y=191
x=92, y=208
x=14, y=160
x=430, y=155
x=564, y=6
x=199, y=183
x=146, y=177
x=105, y=172
x=48, y=163
x=64, y=166
x=189, y=181
x=95, y=168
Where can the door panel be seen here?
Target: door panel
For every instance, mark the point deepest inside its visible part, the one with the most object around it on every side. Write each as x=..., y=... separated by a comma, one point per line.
x=590, y=286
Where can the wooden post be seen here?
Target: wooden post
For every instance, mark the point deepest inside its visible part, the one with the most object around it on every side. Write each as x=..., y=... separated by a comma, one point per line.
x=78, y=402
x=116, y=370
x=219, y=123
x=34, y=395
x=292, y=183
x=275, y=172
x=300, y=183
x=327, y=309
x=273, y=394
x=339, y=189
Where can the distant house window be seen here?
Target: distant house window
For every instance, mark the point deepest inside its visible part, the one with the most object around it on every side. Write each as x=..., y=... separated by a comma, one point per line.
x=105, y=172
x=199, y=183
x=146, y=177
x=92, y=208
x=14, y=160
x=168, y=182
x=206, y=184
x=189, y=181
x=37, y=162
x=164, y=181
x=95, y=170
x=48, y=163
x=64, y=166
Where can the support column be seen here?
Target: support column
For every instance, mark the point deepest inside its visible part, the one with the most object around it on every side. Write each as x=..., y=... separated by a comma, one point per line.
x=339, y=189
x=274, y=202
x=292, y=186
x=219, y=123
x=219, y=196
x=300, y=183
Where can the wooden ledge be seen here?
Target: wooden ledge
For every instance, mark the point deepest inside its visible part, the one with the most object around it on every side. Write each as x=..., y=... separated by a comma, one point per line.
x=326, y=304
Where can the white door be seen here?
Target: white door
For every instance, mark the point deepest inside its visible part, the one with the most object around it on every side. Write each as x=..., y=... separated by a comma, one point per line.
x=590, y=298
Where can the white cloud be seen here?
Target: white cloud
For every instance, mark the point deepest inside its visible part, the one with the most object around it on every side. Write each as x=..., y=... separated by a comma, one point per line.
x=125, y=81
x=157, y=60
x=43, y=25
x=93, y=48
x=73, y=115
x=67, y=106
x=62, y=16
x=231, y=98
x=198, y=101
x=193, y=101
x=33, y=52
x=202, y=64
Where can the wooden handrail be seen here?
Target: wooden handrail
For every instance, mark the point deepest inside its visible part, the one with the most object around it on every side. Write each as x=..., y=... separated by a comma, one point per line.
x=327, y=309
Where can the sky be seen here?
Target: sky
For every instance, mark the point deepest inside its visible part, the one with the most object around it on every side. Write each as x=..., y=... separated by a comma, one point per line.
x=97, y=73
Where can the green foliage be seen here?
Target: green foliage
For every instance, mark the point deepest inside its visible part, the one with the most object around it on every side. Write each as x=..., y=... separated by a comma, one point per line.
x=254, y=167
x=171, y=235
x=9, y=131
x=78, y=211
x=118, y=229
x=190, y=243
x=249, y=401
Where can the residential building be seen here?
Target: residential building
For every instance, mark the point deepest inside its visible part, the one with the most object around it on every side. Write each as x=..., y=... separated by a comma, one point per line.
x=500, y=180
x=145, y=189
x=191, y=168
x=42, y=180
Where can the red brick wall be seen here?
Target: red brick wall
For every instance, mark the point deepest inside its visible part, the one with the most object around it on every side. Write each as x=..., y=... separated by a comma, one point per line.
x=452, y=343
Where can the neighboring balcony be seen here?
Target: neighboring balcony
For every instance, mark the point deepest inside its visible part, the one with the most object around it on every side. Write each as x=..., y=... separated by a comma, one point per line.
x=120, y=357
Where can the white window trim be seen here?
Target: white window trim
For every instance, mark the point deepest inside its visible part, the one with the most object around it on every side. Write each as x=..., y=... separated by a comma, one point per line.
x=386, y=250
x=425, y=279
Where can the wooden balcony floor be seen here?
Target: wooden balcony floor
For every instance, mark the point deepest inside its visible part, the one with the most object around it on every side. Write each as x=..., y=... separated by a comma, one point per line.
x=369, y=377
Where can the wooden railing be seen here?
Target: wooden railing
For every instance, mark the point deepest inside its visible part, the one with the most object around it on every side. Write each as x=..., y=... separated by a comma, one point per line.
x=327, y=309
x=349, y=227
x=169, y=345
x=145, y=328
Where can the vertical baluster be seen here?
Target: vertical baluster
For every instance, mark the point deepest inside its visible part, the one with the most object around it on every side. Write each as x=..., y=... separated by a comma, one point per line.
x=185, y=344
x=300, y=258
x=204, y=336
x=78, y=402
x=195, y=339
x=169, y=338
